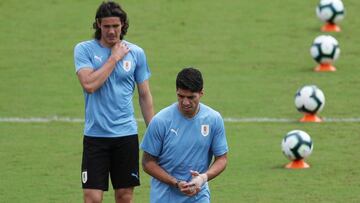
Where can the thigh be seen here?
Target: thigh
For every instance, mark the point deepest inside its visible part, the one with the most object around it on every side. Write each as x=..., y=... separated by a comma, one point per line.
x=124, y=170
x=95, y=163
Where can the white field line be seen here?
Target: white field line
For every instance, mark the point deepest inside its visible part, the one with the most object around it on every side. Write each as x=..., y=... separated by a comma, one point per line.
x=229, y=120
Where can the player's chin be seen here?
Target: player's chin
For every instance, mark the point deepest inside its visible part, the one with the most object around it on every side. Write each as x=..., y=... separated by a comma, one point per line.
x=112, y=41
x=187, y=109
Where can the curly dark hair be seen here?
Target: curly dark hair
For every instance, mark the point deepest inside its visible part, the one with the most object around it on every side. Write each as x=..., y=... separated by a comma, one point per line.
x=110, y=9
x=189, y=79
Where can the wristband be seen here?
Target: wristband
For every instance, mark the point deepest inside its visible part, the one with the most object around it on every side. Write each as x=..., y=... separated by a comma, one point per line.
x=177, y=183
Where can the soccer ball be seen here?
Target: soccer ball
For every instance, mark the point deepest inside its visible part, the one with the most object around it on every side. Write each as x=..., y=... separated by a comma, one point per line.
x=296, y=145
x=331, y=11
x=309, y=99
x=325, y=49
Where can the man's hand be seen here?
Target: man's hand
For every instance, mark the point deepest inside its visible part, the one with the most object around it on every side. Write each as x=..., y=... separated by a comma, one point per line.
x=194, y=186
x=198, y=179
x=187, y=189
x=119, y=50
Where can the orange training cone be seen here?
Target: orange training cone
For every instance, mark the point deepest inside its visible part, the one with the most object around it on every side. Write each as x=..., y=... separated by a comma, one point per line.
x=330, y=27
x=325, y=67
x=310, y=118
x=297, y=164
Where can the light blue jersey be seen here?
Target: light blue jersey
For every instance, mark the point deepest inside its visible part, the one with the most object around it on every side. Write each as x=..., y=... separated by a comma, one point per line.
x=109, y=111
x=182, y=144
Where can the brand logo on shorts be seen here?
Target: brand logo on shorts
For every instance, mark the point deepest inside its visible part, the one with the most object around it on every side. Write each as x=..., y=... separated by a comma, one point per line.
x=135, y=175
x=205, y=130
x=84, y=176
x=127, y=66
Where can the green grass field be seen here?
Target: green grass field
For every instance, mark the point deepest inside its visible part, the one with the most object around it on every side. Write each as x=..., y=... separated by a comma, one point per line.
x=254, y=56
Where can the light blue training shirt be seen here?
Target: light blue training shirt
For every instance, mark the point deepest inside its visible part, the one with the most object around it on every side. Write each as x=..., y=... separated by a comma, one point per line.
x=182, y=144
x=109, y=111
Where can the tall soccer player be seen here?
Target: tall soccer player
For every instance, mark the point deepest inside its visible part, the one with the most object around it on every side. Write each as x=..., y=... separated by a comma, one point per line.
x=108, y=68
x=180, y=144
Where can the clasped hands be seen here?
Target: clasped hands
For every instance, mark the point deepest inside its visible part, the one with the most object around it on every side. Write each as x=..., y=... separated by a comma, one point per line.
x=194, y=186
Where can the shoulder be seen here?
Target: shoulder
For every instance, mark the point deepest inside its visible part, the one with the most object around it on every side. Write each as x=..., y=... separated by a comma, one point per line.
x=86, y=44
x=162, y=120
x=134, y=48
x=166, y=114
x=208, y=111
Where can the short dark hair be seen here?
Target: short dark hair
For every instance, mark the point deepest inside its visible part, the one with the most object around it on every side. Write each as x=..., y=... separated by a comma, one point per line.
x=110, y=9
x=189, y=79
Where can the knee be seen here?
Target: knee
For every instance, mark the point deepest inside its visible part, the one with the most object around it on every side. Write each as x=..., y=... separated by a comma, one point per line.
x=91, y=196
x=124, y=195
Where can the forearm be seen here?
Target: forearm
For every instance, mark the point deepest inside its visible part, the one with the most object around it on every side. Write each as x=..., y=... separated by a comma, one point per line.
x=217, y=167
x=146, y=102
x=93, y=80
x=151, y=167
x=147, y=108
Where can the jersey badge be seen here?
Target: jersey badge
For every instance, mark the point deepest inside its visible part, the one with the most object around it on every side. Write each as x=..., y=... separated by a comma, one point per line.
x=127, y=65
x=205, y=130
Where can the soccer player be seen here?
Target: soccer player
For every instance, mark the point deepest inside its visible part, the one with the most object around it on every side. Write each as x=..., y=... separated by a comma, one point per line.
x=180, y=144
x=108, y=68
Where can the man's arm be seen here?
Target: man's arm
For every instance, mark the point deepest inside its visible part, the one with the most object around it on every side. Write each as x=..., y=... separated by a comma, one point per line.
x=145, y=101
x=151, y=167
x=215, y=169
x=91, y=79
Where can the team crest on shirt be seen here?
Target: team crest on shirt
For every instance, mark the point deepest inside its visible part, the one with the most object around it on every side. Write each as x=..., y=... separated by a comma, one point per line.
x=205, y=130
x=127, y=65
x=84, y=176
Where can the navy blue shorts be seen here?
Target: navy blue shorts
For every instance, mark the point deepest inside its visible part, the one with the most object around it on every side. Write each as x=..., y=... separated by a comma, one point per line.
x=117, y=157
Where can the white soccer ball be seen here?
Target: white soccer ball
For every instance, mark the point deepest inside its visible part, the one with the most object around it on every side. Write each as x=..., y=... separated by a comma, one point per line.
x=296, y=145
x=309, y=99
x=325, y=49
x=331, y=11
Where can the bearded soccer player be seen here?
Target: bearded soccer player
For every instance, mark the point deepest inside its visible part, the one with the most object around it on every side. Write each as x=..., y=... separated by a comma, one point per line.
x=185, y=145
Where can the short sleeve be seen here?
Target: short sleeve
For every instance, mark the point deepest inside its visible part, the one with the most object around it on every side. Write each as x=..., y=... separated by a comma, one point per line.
x=153, y=139
x=81, y=57
x=219, y=144
x=142, y=71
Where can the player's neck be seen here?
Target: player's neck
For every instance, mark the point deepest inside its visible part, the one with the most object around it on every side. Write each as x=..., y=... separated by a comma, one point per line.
x=190, y=116
x=103, y=43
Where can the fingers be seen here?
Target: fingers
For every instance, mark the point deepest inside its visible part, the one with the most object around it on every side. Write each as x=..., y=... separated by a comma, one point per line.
x=119, y=50
x=194, y=186
x=190, y=190
x=194, y=173
x=124, y=45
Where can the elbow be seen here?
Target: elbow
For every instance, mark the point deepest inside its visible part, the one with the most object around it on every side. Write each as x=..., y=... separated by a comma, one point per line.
x=225, y=164
x=89, y=89
x=143, y=163
x=145, y=166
